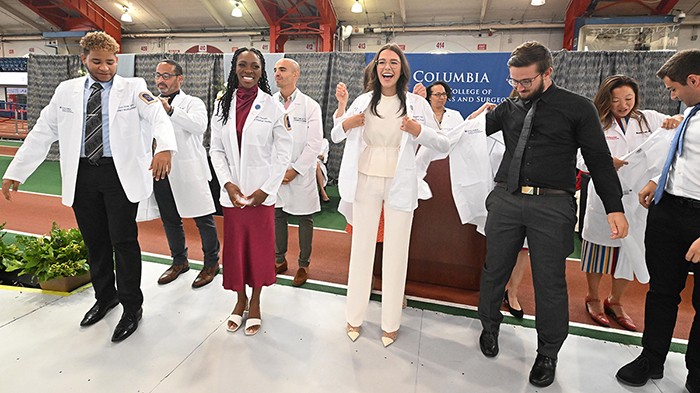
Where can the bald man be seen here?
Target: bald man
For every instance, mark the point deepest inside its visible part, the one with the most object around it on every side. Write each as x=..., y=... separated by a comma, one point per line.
x=298, y=195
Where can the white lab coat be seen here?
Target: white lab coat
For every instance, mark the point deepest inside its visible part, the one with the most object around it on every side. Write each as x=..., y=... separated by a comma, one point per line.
x=471, y=173
x=300, y=196
x=322, y=159
x=595, y=226
x=621, y=143
x=644, y=162
x=62, y=120
x=264, y=156
x=403, y=193
x=190, y=174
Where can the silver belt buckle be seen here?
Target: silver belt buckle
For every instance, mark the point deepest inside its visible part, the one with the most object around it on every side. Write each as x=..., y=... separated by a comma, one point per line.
x=527, y=190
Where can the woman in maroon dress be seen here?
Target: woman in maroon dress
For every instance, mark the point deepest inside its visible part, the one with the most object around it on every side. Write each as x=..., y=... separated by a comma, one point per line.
x=251, y=146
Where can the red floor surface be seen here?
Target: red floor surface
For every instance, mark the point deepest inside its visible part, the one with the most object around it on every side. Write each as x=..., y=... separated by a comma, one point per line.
x=35, y=213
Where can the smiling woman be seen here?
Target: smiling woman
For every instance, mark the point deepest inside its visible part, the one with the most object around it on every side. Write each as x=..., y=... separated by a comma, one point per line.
x=383, y=128
x=250, y=152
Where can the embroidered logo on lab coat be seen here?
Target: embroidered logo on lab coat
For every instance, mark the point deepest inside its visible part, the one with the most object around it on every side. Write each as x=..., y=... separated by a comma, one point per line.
x=147, y=97
x=287, y=123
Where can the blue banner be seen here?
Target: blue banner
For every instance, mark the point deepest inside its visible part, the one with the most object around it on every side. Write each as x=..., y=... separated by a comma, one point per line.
x=475, y=78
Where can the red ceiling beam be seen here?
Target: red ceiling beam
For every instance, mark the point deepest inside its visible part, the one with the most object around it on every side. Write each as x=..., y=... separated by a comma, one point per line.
x=76, y=15
x=576, y=9
x=294, y=22
x=665, y=6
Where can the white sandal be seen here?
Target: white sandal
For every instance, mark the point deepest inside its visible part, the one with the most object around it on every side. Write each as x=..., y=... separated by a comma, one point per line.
x=251, y=323
x=235, y=318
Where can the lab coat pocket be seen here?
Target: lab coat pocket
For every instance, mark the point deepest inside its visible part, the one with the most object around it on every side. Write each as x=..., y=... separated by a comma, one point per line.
x=256, y=176
x=404, y=189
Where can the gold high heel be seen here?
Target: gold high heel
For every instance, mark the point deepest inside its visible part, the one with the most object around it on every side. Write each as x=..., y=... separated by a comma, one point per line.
x=353, y=332
x=389, y=338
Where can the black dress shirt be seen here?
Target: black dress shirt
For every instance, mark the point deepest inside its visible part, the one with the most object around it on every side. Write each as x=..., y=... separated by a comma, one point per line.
x=564, y=122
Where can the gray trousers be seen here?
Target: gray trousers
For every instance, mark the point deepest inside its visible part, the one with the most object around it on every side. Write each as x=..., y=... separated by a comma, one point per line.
x=548, y=223
x=172, y=224
x=306, y=234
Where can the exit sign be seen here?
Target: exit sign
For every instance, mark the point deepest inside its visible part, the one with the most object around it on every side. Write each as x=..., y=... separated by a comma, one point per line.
x=480, y=46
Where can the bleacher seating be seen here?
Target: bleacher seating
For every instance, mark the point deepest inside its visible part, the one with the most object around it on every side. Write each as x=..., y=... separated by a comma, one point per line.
x=13, y=64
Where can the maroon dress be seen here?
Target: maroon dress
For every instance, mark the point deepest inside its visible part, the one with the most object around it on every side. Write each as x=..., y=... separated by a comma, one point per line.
x=248, y=254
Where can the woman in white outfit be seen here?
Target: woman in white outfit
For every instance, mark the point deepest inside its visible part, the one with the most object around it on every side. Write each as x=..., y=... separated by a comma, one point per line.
x=625, y=127
x=383, y=128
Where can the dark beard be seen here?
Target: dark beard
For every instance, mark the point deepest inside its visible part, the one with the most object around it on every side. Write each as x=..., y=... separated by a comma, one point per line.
x=534, y=94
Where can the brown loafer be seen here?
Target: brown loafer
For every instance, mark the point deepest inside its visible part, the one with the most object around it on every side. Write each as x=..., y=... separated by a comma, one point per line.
x=205, y=276
x=281, y=267
x=172, y=273
x=301, y=276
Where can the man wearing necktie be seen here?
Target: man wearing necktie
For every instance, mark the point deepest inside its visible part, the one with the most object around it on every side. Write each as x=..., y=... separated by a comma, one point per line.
x=106, y=168
x=543, y=127
x=672, y=237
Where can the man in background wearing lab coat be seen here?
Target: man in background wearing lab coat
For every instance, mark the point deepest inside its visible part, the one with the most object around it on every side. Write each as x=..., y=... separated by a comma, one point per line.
x=185, y=192
x=106, y=169
x=298, y=194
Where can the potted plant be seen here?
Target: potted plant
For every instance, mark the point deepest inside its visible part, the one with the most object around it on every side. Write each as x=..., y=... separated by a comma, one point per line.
x=58, y=261
x=10, y=258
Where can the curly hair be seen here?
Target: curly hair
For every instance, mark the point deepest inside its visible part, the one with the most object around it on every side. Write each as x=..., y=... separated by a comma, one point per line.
x=98, y=40
x=232, y=82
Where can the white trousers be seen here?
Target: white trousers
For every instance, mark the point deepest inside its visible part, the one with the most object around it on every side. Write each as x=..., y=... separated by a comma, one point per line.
x=371, y=192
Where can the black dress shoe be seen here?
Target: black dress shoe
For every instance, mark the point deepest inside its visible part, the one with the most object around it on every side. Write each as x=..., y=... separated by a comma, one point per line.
x=542, y=373
x=693, y=383
x=519, y=314
x=127, y=325
x=639, y=371
x=97, y=312
x=488, y=342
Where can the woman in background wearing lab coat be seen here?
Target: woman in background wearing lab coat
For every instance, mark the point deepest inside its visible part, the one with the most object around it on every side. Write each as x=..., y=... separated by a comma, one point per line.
x=383, y=128
x=625, y=127
x=251, y=146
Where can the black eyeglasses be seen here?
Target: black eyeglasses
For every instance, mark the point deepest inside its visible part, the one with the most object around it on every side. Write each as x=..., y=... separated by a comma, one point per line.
x=438, y=95
x=523, y=82
x=164, y=75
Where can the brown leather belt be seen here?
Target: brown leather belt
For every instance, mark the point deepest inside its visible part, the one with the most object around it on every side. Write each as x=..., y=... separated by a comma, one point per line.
x=536, y=191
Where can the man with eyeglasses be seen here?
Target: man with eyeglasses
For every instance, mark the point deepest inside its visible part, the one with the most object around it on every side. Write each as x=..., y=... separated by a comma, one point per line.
x=185, y=191
x=543, y=127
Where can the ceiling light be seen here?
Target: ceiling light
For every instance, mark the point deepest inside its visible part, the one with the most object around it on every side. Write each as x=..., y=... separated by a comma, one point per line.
x=357, y=7
x=126, y=18
x=237, y=13
x=537, y=3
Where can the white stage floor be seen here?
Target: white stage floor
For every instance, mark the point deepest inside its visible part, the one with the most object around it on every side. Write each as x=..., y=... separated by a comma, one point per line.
x=182, y=346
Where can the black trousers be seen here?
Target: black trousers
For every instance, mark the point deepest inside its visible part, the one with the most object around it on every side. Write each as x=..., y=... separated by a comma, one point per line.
x=175, y=233
x=548, y=223
x=107, y=220
x=672, y=226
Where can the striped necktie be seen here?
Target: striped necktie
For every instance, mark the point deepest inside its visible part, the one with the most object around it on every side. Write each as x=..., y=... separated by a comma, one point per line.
x=676, y=148
x=93, y=124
